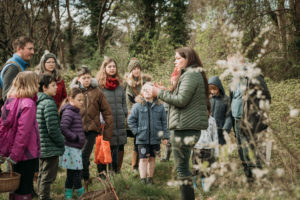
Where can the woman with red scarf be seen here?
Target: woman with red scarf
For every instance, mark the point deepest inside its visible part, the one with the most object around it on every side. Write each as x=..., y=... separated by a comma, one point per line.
x=110, y=83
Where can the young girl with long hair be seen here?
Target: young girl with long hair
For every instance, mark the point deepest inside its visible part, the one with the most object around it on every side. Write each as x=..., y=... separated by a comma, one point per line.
x=110, y=83
x=21, y=142
x=94, y=103
x=72, y=129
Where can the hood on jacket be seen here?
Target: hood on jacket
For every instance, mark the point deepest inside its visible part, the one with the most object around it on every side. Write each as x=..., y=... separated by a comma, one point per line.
x=140, y=99
x=129, y=80
x=70, y=107
x=75, y=83
x=42, y=96
x=214, y=80
x=9, y=110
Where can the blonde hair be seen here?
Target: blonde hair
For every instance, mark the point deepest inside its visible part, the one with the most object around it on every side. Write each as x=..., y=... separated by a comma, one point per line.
x=26, y=84
x=146, y=85
x=101, y=75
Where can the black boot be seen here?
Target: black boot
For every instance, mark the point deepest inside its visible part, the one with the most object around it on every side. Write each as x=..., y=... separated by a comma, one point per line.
x=168, y=153
x=187, y=192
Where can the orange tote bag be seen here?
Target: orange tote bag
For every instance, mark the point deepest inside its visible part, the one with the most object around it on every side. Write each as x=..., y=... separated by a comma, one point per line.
x=102, y=151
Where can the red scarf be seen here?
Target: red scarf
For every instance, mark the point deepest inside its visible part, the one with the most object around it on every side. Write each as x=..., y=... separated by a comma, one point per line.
x=111, y=83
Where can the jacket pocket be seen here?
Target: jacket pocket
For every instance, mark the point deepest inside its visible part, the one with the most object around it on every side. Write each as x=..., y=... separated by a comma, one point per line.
x=142, y=133
x=143, y=112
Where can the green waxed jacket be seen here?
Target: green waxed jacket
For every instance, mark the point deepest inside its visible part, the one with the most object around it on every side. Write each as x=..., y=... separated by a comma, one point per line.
x=52, y=140
x=188, y=104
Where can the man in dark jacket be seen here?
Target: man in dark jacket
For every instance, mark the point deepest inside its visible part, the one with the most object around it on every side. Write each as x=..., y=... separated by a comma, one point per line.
x=248, y=108
x=24, y=50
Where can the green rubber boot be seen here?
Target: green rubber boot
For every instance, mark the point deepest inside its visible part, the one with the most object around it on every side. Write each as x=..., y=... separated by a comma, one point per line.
x=68, y=193
x=80, y=192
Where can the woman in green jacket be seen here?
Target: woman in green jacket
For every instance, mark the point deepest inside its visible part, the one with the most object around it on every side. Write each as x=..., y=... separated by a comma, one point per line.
x=188, y=112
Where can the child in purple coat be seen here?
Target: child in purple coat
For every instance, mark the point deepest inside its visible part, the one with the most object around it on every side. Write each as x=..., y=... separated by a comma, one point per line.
x=72, y=129
x=19, y=138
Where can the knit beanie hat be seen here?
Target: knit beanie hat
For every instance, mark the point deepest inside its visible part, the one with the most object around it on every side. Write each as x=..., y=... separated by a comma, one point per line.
x=134, y=62
x=44, y=59
x=48, y=55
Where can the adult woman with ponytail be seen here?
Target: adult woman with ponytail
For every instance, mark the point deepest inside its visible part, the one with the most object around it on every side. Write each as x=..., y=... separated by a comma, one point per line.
x=188, y=112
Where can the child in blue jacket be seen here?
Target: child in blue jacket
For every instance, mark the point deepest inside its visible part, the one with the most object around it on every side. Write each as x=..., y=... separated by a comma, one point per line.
x=220, y=107
x=148, y=122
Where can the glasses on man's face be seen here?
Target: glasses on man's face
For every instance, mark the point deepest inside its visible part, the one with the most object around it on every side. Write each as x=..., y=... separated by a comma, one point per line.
x=50, y=62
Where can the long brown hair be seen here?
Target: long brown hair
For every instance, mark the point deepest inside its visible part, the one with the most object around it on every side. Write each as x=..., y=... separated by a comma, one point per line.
x=72, y=94
x=101, y=75
x=193, y=60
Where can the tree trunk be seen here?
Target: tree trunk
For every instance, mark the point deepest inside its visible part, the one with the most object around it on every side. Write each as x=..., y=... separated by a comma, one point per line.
x=271, y=13
x=297, y=17
x=100, y=28
x=297, y=30
x=70, y=38
x=58, y=32
x=282, y=27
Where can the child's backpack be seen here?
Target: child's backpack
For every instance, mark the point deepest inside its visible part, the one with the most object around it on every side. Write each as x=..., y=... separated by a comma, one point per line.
x=2, y=70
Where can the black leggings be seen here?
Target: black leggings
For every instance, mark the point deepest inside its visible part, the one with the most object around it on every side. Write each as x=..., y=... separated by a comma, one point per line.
x=26, y=169
x=73, y=180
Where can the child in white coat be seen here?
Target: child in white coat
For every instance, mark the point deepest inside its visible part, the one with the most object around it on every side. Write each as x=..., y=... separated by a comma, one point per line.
x=205, y=150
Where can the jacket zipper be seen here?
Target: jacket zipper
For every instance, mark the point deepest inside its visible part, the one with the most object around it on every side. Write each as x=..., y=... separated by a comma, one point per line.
x=116, y=115
x=149, y=123
x=86, y=107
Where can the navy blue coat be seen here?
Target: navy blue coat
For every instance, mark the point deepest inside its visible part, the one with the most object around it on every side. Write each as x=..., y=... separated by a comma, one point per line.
x=71, y=126
x=220, y=107
x=147, y=121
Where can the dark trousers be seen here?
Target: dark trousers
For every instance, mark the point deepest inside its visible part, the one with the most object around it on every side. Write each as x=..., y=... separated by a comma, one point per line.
x=246, y=148
x=201, y=156
x=182, y=151
x=90, y=138
x=47, y=174
x=114, y=155
x=73, y=180
x=121, y=147
x=27, y=172
x=221, y=138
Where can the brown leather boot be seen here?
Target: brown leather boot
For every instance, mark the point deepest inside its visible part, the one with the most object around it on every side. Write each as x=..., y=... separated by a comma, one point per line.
x=120, y=160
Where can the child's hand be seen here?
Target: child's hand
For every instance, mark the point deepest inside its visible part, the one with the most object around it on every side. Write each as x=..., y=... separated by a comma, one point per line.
x=165, y=141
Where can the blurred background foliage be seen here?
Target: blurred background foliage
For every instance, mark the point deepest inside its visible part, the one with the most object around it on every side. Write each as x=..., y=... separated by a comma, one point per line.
x=84, y=31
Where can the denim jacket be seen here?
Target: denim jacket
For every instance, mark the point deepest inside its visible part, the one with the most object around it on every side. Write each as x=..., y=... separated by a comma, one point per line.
x=148, y=122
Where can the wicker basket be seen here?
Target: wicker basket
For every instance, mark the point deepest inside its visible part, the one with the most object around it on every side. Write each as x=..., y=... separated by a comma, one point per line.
x=9, y=181
x=108, y=193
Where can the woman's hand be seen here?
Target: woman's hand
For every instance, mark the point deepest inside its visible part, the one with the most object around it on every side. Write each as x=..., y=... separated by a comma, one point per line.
x=160, y=86
x=155, y=91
